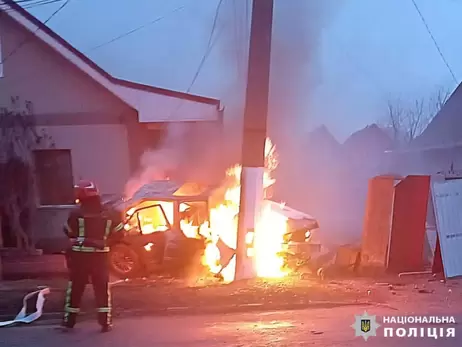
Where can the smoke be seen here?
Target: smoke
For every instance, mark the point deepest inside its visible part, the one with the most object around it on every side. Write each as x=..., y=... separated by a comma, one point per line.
x=295, y=74
x=309, y=176
x=201, y=152
x=295, y=67
x=191, y=153
x=154, y=165
x=303, y=181
x=188, y=152
x=295, y=71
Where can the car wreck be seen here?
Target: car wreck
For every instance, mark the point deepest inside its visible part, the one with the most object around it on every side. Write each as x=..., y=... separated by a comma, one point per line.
x=168, y=229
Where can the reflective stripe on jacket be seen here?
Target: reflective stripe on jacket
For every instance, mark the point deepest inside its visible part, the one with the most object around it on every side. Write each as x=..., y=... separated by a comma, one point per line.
x=87, y=245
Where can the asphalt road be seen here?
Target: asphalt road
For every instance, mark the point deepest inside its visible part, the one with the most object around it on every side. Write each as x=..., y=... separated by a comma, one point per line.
x=314, y=327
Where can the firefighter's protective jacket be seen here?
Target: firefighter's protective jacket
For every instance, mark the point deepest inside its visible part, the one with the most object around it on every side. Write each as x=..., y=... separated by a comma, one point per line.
x=93, y=233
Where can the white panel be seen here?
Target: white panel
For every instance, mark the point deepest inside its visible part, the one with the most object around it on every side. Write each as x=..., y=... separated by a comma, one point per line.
x=447, y=201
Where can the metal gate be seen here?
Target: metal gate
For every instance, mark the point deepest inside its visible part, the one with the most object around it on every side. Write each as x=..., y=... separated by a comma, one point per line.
x=447, y=202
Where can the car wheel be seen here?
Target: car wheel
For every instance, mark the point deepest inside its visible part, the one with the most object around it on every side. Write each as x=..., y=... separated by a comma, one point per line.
x=124, y=262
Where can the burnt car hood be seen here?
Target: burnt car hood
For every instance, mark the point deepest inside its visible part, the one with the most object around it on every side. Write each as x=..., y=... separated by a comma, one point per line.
x=296, y=219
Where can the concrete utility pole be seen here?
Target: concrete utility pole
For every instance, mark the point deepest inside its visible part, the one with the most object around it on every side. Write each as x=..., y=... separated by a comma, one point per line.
x=255, y=118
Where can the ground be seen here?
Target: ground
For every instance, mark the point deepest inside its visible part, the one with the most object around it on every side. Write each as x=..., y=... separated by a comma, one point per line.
x=160, y=295
x=309, y=327
x=294, y=311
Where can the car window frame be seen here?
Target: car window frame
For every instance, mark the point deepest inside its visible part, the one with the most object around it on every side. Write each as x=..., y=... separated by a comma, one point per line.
x=169, y=226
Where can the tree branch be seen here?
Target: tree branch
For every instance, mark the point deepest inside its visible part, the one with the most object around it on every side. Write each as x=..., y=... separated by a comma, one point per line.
x=17, y=182
x=409, y=122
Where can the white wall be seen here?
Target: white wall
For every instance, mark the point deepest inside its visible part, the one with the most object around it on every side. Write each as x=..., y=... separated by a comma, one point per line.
x=99, y=153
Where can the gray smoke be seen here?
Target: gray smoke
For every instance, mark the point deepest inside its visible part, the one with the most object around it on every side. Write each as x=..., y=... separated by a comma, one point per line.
x=303, y=181
x=297, y=34
x=297, y=39
x=295, y=71
x=188, y=152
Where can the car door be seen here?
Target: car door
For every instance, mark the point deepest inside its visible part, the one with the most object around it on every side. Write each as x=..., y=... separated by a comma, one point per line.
x=148, y=227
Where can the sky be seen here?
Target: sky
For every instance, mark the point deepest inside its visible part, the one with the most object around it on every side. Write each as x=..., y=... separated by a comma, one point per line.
x=341, y=60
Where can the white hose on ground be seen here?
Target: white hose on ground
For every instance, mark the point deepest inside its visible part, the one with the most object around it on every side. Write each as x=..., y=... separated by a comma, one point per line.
x=21, y=317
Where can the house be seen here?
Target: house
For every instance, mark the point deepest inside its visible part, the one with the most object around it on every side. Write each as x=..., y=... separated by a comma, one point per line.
x=96, y=116
x=438, y=148
x=100, y=125
x=336, y=179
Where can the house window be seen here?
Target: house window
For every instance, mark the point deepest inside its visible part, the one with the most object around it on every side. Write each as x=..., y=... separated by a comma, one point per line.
x=54, y=176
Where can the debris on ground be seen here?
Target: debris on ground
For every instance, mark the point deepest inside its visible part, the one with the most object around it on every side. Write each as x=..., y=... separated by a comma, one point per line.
x=336, y=263
x=314, y=332
x=415, y=273
x=425, y=291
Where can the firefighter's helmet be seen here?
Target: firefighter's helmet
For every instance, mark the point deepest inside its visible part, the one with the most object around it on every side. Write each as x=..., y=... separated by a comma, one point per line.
x=85, y=189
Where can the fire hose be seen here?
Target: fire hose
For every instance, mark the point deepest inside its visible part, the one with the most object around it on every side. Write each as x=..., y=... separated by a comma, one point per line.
x=22, y=316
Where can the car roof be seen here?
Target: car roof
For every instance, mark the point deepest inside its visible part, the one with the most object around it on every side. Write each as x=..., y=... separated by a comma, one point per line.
x=167, y=190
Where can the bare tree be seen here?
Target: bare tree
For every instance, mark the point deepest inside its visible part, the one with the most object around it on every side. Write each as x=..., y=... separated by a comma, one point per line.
x=409, y=120
x=395, y=118
x=18, y=138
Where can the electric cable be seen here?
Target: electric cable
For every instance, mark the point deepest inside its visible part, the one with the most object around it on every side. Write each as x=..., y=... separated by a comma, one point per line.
x=236, y=39
x=27, y=40
x=209, y=47
x=424, y=21
x=210, y=44
x=28, y=4
x=121, y=36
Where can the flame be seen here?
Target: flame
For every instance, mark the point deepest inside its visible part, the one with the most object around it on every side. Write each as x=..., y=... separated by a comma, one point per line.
x=220, y=231
x=148, y=246
x=263, y=246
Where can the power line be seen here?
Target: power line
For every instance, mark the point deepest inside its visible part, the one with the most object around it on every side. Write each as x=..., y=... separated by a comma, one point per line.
x=40, y=3
x=135, y=30
x=210, y=44
x=247, y=13
x=209, y=47
x=26, y=1
x=206, y=55
x=236, y=38
x=25, y=41
x=434, y=41
x=28, y=4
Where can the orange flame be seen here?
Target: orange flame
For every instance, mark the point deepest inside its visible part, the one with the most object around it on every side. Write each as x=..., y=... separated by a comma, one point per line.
x=263, y=246
x=270, y=228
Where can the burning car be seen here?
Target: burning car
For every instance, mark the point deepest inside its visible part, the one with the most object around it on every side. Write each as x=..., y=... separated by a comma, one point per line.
x=176, y=228
x=162, y=223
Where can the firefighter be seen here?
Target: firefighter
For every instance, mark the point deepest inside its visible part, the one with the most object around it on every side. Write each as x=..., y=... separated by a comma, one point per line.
x=91, y=231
